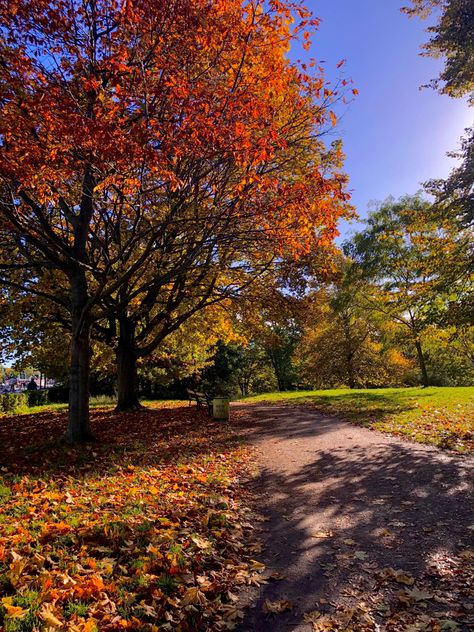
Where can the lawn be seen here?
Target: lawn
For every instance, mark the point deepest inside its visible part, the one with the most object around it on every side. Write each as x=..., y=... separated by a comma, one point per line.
x=144, y=530
x=442, y=416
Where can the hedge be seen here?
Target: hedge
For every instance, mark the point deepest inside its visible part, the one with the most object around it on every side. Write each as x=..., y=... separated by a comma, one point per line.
x=12, y=402
x=38, y=398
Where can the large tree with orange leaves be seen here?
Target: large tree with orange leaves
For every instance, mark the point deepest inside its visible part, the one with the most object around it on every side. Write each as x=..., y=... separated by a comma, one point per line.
x=141, y=140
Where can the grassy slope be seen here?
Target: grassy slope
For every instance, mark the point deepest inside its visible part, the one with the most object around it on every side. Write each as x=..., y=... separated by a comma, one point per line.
x=440, y=416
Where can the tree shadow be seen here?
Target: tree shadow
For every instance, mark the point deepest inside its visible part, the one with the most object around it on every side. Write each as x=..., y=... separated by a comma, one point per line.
x=32, y=444
x=335, y=516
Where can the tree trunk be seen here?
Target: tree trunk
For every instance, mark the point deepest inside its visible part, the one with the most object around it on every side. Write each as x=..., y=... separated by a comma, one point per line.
x=127, y=397
x=421, y=361
x=78, y=430
x=350, y=370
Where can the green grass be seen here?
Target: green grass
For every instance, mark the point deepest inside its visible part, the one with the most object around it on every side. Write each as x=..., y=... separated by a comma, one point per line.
x=442, y=416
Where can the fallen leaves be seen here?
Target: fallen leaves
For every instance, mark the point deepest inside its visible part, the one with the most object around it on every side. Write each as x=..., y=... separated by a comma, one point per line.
x=322, y=534
x=414, y=594
x=399, y=576
x=149, y=530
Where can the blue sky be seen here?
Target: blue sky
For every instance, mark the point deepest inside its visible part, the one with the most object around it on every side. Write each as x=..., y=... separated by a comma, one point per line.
x=395, y=135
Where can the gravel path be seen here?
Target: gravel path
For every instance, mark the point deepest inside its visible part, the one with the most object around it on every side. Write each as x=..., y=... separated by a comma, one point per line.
x=342, y=502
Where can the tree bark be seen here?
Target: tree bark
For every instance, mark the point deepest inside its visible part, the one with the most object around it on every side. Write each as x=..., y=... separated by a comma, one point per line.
x=350, y=370
x=78, y=430
x=127, y=394
x=422, y=363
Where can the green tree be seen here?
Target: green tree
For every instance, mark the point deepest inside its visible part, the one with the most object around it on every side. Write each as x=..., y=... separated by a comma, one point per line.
x=402, y=252
x=452, y=38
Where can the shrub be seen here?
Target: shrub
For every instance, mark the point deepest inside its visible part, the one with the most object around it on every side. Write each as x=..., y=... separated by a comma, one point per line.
x=37, y=398
x=58, y=394
x=11, y=402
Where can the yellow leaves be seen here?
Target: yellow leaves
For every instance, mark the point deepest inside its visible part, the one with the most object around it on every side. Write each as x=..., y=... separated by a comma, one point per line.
x=13, y=612
x=322, y=534
x=16, y=569
x=201, y=543
x=154, y=490
x=257, y=566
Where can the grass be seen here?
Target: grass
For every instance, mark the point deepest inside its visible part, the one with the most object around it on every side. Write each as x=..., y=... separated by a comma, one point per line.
x=441, y=416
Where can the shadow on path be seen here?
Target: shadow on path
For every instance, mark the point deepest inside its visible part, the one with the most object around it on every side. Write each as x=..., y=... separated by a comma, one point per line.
x=342, y=503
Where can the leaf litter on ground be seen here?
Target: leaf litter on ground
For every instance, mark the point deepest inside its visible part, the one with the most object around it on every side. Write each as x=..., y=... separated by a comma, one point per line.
x=147, y=529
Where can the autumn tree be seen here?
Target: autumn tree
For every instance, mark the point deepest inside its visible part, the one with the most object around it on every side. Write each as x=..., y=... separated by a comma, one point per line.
x=343, y=343
x=403, y=251
x=140, y=141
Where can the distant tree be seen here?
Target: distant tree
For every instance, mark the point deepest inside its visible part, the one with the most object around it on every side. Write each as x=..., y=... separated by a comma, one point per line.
x=403, y=252
x=254, y=373
x=344, y=344
x=450, y=355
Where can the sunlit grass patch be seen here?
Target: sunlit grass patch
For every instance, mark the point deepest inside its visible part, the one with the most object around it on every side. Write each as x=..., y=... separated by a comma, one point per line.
x=442, y=416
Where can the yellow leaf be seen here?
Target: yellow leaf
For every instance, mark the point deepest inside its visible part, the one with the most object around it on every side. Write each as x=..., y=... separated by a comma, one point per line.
x=14, y=612
x=322, y=534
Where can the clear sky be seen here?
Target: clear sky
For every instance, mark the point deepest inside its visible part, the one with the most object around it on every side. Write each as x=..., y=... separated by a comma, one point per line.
x=395, y=135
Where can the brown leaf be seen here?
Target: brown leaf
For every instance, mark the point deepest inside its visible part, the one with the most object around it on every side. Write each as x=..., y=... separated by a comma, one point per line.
x=276, y=607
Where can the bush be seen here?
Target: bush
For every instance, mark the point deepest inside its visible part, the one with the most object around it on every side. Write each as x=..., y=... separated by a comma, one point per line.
x=11, y=402
x=37, y=398
x=58, y=394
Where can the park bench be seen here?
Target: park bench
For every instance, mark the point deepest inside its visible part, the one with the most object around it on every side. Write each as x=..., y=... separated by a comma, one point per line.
x=201, y=399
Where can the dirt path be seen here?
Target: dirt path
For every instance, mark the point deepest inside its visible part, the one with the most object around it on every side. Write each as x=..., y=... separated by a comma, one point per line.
x=341, y=505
